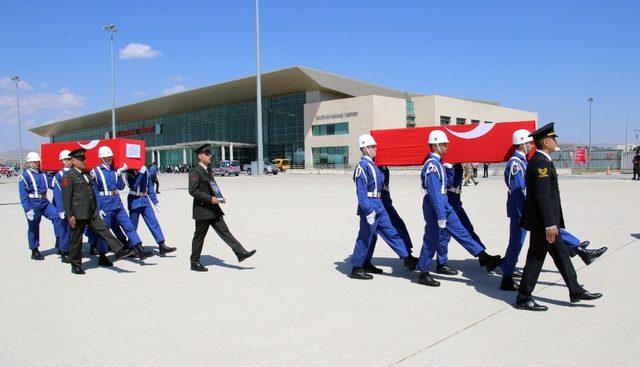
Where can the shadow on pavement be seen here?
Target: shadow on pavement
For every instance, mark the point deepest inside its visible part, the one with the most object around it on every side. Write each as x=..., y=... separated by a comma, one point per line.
x=635, y=235
x=212, y=260
x=93, y=264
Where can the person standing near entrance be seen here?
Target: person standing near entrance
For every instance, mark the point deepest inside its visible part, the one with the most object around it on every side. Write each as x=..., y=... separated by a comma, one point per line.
x=153, y=173
x=207, y=211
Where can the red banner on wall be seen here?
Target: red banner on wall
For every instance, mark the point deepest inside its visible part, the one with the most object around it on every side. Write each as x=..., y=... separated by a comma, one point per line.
x=129, y=151
x=486, y=143
x=580, y=157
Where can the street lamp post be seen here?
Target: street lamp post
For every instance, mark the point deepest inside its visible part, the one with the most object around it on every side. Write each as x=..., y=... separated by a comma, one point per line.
x=17, y=80
x=590, y=100
x=112, y=29
x=259, y=93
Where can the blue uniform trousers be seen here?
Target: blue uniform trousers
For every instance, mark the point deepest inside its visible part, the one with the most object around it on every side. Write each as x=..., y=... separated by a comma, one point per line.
x=433, y=235
x=401, y=228
x=42, y=207
x=64, y=235
x=443, y=246
x=149, y=218
x=516, y=240
x=119, y=218
x=569, y=240
x=383, y=226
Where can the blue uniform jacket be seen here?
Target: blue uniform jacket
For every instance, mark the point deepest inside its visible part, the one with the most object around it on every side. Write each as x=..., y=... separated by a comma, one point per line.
x=56, y=188
x=153, y=170
x=514, y=175
x=433, y=181
x=107, y=180
x=369, y=182
x=32, y=182
x=140, y=183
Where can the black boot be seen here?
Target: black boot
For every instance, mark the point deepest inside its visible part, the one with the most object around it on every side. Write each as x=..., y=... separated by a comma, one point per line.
x=103, y=261
x=508, y=284
x=359, y=273
x=584, y=244
x=65, y=258
x=426, y=279
x=164, y=249
x=589, y=256
x=245, y=255
x=77, y=270
x=488, y=261
x=36, y=255
x=196, y=266
x=411, y=262
x=370, y=268
x=445, y=270
x=58, y=247
x=142, y=253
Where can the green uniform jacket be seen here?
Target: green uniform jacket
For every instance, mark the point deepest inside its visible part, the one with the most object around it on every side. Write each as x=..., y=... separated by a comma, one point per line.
x=77, y=195
x=202, y=192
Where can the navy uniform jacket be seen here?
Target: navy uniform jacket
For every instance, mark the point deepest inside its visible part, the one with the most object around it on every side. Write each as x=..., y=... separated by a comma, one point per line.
x=542, y=207
x=200, y=188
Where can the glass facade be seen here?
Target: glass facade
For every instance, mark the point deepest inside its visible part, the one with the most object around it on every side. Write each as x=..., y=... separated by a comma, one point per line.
x=330, y=156
x=283, y=130
x=341, y=128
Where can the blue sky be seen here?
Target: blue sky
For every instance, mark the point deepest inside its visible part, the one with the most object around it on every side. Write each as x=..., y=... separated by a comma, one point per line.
x=543, y=56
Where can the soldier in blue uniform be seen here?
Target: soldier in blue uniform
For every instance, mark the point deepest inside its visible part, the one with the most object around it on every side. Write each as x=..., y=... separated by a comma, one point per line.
x=32, y=187
x=140, y=200
x=397, y=223
x=55, y=186
x=514, y=178
x=106, y=184
x=440, y=216
x=373, y=215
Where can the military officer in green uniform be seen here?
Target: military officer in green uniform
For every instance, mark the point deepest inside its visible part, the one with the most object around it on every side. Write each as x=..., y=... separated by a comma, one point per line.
x=207, y=211
x=81, y=211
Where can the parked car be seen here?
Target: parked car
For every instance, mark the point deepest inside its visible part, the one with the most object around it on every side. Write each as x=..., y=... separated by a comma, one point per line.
x=7, y=171
x=268, y=168
x=282, y=164
x=226, y=168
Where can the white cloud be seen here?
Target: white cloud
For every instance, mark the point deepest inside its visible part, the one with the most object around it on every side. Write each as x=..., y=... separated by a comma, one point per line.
x=175, y=89
x=138, y=51
x=34, y=104
x=178, y=78
x=9, y=85
x=138, y=93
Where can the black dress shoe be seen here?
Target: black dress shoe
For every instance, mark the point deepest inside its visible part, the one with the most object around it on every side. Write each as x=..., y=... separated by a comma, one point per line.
x=489, y=262
x=589, y=256
x=530, y=305
x=36, y=255
x=426, y=279
x=245, y=255
x=65, y=258
x=517, y=274
x=508, y=284
x=164, y=249
x=103, y=261
x=196, y=266
x=411, y=262
x=142, y=253
x=445, y=270
x=584, y=244
x=370, y=268
x=359, y=273
x=77, y=270
x=586, y=296
x=93, y=250
x=124, y=252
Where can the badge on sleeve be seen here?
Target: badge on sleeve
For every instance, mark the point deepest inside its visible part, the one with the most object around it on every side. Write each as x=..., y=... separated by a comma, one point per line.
x=515, y=168
x=543, y=172
x=359, y=171
x=433, y=168
x=65, y=182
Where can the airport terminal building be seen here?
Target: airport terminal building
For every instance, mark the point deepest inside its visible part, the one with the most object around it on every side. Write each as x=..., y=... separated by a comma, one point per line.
x=311, y=117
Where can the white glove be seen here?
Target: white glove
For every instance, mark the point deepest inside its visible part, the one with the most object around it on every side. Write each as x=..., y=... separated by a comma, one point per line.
x=102, y=214
x=442, y=223
x=122, y=169
x=143, y=169
x=61, y=215
x=448, y=165
x=30, y=215
x=157, y=206
x=371, y=218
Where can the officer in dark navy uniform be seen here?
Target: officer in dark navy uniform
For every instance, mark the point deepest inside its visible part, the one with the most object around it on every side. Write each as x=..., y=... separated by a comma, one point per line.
x=542, y=216
x=207, y=211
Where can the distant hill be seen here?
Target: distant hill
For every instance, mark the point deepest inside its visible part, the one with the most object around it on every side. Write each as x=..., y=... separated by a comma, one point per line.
x=13, y=155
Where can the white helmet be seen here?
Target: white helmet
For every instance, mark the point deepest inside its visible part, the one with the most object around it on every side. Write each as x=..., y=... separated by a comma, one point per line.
x=64, y=155
x=105, y=152
x=437, y=137
x=33, y=157
x=366, y=141
x=521, y=136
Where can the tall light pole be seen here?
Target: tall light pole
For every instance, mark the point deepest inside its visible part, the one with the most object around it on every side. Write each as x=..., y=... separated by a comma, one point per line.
x=590, y=100
x=112, y=29
x=17, y=80
x=259, y=93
